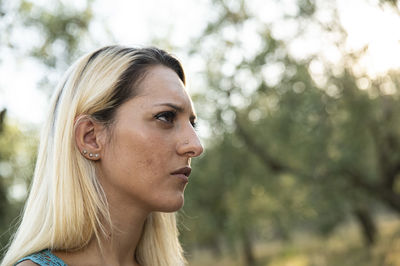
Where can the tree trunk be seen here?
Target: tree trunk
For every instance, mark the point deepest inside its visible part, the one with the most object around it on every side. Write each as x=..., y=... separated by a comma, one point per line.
x=367, y=224
x=216, y=249
x=2, y=117
x=248, y=251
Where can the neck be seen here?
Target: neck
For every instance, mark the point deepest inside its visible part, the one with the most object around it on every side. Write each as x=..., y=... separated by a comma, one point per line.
x=128, y=218
x=119, y=246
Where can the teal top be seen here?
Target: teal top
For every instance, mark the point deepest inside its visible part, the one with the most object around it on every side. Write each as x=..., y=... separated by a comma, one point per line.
x=44, y=258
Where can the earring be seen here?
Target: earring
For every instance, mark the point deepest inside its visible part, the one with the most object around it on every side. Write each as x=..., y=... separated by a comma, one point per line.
x=96, y=155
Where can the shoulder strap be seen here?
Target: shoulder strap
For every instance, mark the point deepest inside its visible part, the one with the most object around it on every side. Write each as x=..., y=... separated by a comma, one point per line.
x=44, y=258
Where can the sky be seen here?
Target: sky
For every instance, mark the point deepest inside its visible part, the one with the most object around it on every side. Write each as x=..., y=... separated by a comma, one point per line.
x=135, y=22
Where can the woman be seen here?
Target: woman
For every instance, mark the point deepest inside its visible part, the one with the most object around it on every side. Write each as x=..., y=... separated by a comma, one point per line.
x=113, y=163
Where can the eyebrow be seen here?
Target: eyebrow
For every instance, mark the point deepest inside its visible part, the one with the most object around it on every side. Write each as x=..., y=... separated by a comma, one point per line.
x=178, y=108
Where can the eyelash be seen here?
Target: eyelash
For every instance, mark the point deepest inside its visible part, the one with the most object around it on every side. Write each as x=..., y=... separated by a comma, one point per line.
x=169, y=117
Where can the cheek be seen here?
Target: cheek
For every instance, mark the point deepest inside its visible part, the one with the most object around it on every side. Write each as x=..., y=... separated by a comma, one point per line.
x=140, y=156
x=152, y=161
x=136, y=169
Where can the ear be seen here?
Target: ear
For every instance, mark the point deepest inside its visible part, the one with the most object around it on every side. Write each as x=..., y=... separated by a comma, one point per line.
x=89, y=137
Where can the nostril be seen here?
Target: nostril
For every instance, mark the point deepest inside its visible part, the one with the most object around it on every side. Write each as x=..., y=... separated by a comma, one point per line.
x=198, y=151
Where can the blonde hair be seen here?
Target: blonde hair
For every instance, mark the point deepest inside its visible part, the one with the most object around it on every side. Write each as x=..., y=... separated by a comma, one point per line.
x=66, y=206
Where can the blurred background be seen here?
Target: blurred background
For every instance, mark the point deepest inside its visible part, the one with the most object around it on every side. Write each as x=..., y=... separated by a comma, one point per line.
x=299, y=112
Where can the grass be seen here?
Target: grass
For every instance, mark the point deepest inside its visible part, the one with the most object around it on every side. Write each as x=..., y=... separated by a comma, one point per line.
x=343, y=248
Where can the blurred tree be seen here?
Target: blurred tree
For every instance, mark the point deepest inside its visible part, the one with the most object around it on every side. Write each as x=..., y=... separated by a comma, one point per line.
x=297, y=141
x=3, y=198
x=54, y=33
x=17, y=159
x=393, y=3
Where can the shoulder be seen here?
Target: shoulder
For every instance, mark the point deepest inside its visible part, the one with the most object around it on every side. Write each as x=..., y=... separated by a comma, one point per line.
x=44, y=257
x=26, y=263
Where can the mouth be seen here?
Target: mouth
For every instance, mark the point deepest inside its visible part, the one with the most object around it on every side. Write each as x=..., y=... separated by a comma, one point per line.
x=183, y=173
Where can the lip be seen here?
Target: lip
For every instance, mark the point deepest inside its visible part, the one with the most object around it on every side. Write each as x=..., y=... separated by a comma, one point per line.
x=183, y=173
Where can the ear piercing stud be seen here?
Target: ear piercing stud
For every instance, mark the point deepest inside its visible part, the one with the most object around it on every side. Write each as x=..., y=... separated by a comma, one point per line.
x=96, y=155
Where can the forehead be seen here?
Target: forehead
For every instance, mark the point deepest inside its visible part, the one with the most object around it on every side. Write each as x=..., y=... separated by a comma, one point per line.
x=162, y=85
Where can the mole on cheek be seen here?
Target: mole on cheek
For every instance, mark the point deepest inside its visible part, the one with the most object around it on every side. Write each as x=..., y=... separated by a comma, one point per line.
x=149, y=162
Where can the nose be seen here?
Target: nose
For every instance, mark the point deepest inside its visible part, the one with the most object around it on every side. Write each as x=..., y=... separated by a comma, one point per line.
x=189, y=143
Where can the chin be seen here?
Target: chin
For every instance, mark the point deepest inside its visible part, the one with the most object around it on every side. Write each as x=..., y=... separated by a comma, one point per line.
x=172, y=205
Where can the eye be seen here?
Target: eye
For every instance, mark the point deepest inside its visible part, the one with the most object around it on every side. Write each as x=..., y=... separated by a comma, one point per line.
x=167, y=117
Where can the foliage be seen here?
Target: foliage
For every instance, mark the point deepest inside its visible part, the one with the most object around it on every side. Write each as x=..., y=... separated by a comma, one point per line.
x=342, y=249
x=298, y=143
x=53, y=36
x=17, y=159
x=61, y=26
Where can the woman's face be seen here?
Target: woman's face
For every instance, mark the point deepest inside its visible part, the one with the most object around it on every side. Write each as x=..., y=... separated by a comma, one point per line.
x=151, y=142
